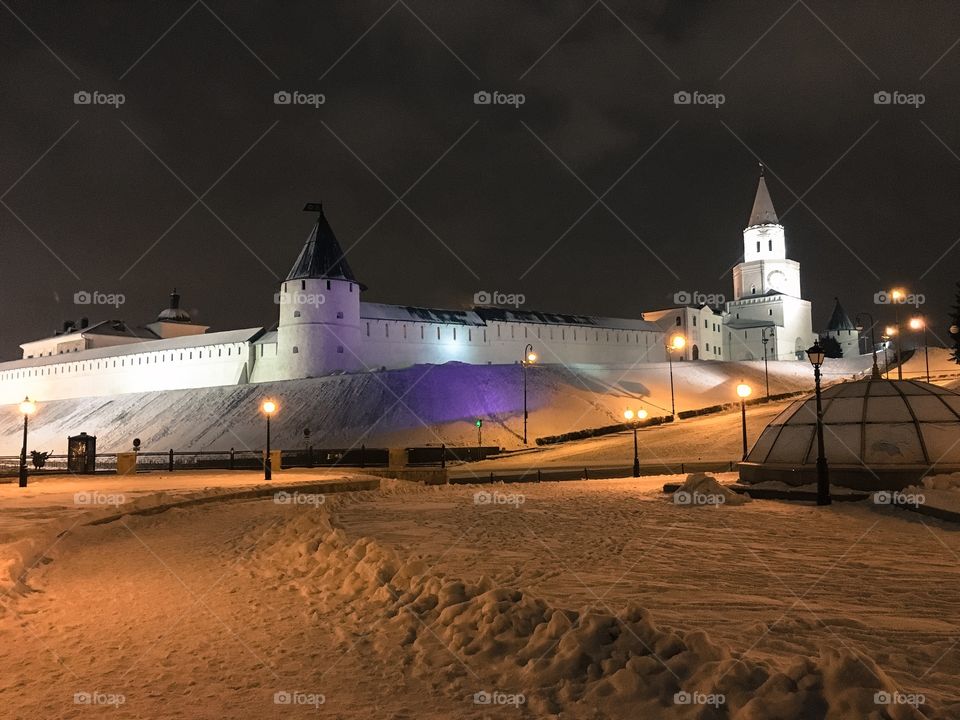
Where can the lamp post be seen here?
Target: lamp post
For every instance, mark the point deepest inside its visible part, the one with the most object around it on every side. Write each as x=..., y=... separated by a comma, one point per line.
x=269, y=407
x=634, y=419
x=677, y=342
x=529, y=357
x=815, y=355
x=27, y=407
x=898, y=295
x=873, y=343
x=743, y=391
x=766, y=373
x=917, y=324
x=888, y=334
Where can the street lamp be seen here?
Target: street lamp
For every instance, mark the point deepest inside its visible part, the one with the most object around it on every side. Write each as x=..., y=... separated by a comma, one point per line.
x=889, y=332
x=677, y=342
x=766, y=373
x=28, y=407
x=529, y=357
x=641, y=414
x=269, y=407
x=815, y=354
x=917, y=324
x=743, y=391
x=898, y=295
x=873, y=341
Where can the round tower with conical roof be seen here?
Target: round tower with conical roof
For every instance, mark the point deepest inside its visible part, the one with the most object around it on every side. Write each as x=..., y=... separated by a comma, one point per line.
x=319, y=329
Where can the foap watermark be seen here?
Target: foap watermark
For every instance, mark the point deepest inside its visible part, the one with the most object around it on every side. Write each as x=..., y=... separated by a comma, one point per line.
x=698, y=698
x=685, y=297
x=484, y=97
x=695, y=97
x=485, y=297
x=99, y=698
x=95, y=297
x=96, y=498
x=895, y=97
x=896, y=697
x=295, y=97
x=895, y=297
x=95, y=97
x=498, y=498
x=298, y=498
x=299, y=298
x=296, y=697
x=898, y=497
x=497, y=697
x=682, y=497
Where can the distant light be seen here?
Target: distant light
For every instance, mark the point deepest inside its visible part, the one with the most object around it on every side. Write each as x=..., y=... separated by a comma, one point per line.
x=744, y=390
x=677, y=342
x=642, y=414
x=28, y=406
x=898, y=294
x=628, y=414
x=916, y=323
x=269, y=407
x=479, y=422
x=890, y=330
x=531, y=357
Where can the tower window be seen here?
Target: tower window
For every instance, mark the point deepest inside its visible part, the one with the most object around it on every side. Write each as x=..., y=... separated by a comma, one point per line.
x=340, y=315
x=295, y=350
x=303, y=284
x=758, y=246
x=340, y=349
x=368, y=329
x=296, y=313
x=328, y=284
x=771, y=244
x=678, y=321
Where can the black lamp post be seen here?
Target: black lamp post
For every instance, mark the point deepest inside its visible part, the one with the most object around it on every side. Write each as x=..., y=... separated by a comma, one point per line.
x=677, y=342
x=766, y=372
x=815, y=355
x=529, y=357
x=269, y=407
x=873, y=341
x=743, y=391
x=27, y=407
x=898, y=297
x=634, y=419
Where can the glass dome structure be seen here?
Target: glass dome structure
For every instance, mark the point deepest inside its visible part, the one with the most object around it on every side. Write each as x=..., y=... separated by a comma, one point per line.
x=878, y=435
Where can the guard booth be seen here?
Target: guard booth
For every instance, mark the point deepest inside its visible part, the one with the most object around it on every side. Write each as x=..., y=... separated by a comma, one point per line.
x=82, y=453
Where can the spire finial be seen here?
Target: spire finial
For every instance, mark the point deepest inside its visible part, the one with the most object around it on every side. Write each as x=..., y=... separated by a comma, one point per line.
x=313, y=207
x=761, y=170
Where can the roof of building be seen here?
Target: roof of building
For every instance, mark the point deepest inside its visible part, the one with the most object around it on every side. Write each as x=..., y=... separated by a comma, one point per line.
x=747, y=323
x=407, y=313
x=322, y=256
x=182, y=342
x=763, y=212
x=174, y=313
x=113, y=328
x=839, y=320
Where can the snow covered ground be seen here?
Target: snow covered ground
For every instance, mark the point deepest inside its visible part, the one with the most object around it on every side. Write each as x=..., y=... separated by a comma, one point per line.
x=416, y=406
x=598, y=599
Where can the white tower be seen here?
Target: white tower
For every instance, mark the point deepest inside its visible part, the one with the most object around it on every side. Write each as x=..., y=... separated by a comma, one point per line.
x=319, y=329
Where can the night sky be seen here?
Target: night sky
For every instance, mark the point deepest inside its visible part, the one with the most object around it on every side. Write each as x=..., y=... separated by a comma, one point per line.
x=103, y=198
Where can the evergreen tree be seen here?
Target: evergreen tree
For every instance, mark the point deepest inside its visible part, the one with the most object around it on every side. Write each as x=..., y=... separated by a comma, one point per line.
x=831, y=347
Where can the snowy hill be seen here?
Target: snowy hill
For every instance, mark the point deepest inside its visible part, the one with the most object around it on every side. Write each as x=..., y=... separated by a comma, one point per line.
x=419, y=405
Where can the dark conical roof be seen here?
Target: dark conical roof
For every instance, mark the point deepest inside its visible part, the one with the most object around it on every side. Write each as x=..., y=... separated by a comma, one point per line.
x=840, y=320
x=321, y=256
x=763, y=212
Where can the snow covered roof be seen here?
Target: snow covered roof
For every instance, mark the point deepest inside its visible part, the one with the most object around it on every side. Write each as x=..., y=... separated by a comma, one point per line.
x=747, y=323
x=763, y=212
x=871, y=425
x=321, y=256
x=177, y=343
x=407, y=313
x=839, y=320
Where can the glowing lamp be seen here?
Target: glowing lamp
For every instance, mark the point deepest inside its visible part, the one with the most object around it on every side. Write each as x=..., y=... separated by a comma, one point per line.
x=28, y=406
x=744, y=390
x=916, y=323
x=269, y=407
x=641, y=414
x=677, y=342
x=628, y=414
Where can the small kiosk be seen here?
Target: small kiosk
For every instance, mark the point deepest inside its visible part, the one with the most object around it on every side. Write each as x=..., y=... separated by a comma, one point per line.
x=82, y=454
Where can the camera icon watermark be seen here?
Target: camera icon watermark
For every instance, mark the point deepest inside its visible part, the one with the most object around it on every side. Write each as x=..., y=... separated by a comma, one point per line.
x=496, y=697
x=95, y=97
x=299, y=298
x=895, y=97
x=95, y=297
x=895, y=297
x=295, y=97
x=683, y=497
x=896, y=697
x=697, y=298
x=295, y=697
x=898, y=498
x=498, y=498
x=298, y=498
x=695, y=97
x=485, y=298
x=94, y=498
x=698, y=698
x=484, y=97
x=99, y=698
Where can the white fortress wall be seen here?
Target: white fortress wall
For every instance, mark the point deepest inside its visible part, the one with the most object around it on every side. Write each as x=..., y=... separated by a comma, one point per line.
x=188, y=362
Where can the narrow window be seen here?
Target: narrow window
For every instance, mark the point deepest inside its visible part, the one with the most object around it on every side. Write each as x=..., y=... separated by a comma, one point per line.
x=758, y=246
x=328, y=284
x=295, y=350
x=303, y=284
x=340, y=315
x=771, y=244
x=340, y=347
x=438, y=333
x=368, y=329
x=454, y=333
x=296, y=313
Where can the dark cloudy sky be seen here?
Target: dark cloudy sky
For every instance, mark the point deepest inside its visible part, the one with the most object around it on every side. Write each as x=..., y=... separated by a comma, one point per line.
x=105, y=199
